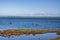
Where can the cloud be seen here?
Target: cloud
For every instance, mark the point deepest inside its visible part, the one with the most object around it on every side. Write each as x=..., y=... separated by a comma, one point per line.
x=24, y=12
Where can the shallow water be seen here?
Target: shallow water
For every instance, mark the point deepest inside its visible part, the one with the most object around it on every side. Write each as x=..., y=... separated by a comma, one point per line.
x=30, y=23
x=31, y=37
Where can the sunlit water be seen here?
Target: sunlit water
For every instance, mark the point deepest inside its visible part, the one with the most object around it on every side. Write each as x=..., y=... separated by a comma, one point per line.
x=30, y=23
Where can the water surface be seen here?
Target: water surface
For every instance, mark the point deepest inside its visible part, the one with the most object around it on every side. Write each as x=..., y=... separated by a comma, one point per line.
x=30, y=23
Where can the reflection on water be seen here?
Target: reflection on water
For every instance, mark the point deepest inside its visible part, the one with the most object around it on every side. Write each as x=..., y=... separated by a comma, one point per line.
x=46, y=36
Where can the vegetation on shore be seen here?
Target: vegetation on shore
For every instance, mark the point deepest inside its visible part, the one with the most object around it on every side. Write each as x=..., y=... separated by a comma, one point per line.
x=17, y=32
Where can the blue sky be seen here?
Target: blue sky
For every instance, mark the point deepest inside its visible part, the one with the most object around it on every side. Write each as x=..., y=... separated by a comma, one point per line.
x=30, y=8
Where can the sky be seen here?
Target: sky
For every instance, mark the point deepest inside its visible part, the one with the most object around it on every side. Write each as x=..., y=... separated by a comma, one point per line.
x=30, y=8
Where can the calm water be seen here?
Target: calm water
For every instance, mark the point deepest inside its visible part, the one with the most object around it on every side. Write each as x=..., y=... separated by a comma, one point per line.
x=30, y=23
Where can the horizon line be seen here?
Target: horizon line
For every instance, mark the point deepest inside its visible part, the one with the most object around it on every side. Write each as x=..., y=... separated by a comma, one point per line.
x=29, y=16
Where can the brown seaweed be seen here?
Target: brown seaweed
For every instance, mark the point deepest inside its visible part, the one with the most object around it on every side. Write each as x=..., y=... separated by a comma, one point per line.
x=10, y=32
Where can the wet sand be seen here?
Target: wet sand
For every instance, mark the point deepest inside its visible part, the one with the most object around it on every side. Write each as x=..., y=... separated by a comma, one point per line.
x=18, y=32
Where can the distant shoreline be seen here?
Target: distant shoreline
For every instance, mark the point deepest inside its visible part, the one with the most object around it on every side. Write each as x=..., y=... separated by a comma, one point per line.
x=24, y=17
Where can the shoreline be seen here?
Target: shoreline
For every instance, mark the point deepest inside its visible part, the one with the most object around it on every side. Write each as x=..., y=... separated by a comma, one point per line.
x=17, y=32
x=29, y=17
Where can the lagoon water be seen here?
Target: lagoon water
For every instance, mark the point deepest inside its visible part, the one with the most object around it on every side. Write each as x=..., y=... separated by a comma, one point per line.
x=30, y=23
